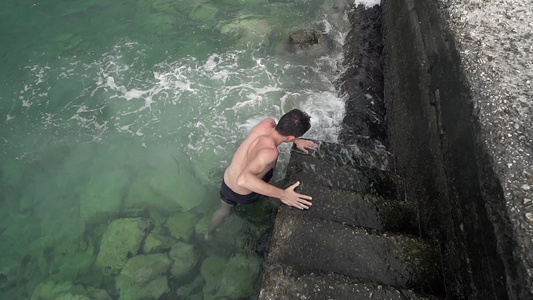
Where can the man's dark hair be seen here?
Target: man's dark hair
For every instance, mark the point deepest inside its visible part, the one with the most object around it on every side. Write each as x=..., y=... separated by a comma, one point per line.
x=294, y=123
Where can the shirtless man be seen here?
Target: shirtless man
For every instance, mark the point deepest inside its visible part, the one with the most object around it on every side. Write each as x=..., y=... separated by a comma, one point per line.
x=252, y=166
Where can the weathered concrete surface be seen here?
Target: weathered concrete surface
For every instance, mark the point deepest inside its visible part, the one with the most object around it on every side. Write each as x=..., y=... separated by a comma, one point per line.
x=356, y=155
x=459, y=122
x=323, y=245
x=495, y=42
x=364, y=210
x=362, y=81
x=288, y=283
x=352, y=243
x=338, y=175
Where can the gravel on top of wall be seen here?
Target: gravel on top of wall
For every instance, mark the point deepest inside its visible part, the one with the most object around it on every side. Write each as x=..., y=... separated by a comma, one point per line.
x=495, y=42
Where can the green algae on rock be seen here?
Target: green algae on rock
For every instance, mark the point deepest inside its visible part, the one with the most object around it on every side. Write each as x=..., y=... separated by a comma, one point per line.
x=185, y=291
x=153, y=289
x=204, y=12
x=240, y=276
x=141, y=269
x=103, y=196
x=178, y=187
x=67, y=291
x=184, y=258
x=121, y=240
x=181, y=225
x=247, y=29
x=156, y=241
x=142, y=277
x=212, y=270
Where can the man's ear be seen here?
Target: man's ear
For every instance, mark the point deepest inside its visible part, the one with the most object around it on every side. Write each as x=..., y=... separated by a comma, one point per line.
x=291, y=138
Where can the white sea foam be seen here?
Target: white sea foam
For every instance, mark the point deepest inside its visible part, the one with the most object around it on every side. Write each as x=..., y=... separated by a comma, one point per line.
x=367, y=3
x=205, y=107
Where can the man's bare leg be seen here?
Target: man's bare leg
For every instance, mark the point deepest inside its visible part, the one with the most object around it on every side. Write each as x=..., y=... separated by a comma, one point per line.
x=222, y=212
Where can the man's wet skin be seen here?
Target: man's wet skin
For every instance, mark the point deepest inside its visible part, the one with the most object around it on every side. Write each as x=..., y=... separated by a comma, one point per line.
x=256, y=157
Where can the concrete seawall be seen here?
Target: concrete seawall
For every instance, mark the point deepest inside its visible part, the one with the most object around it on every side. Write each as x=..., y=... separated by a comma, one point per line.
x=461, y=132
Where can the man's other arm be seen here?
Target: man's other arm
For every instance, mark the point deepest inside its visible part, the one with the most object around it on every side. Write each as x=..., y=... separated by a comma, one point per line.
x=249, y=180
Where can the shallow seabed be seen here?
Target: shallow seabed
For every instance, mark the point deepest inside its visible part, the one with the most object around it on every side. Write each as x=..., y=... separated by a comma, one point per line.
x=117, y=120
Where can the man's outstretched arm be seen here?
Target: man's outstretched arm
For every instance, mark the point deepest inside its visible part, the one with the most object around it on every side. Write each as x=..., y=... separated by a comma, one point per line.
x=249, y=180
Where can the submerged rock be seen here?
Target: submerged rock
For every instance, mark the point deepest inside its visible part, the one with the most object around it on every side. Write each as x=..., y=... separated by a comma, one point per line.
x=121, y=240
x=150, y=290
x=156, y=241
x=181, y=225
x=177, y=187
x=186, y=291
x=67, y=291
x=143, y=277
x=184, y=259
x=305, y=37
x=212, y=270
x=141, y=269
x=102, y=197
x=204, y=12
x=247, y=30
x=240, y=276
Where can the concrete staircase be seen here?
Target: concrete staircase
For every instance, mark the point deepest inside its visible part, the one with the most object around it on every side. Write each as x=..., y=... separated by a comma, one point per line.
x=358, y=241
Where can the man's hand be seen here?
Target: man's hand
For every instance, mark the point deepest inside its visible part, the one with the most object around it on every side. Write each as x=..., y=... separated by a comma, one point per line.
x=305, y=144
x=291, y=198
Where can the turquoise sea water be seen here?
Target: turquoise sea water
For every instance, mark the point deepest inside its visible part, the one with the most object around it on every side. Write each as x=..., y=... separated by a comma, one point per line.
x=131, y=109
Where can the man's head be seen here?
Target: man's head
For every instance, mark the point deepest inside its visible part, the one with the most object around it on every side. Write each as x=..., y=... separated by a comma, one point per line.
x=294, y=123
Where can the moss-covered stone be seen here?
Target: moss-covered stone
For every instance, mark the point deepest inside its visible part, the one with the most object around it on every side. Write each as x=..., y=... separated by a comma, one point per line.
x=121, y=240
x=212, y=270
x=142, y=268
x=247, y=30
x=142, y=277
x=102, y=198
x=177, y=186
x=156, y=241
x=184, y=259
x=181, y=225
x=204, y=12
x=186, y=291
x=153, y=289
x=67, y=291
x=240, y=276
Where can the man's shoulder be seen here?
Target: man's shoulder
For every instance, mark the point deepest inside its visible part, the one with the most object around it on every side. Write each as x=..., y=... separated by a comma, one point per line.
x=267, y=122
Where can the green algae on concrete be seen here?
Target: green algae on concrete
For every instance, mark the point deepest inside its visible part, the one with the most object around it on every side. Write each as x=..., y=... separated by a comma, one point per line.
x=121, y=240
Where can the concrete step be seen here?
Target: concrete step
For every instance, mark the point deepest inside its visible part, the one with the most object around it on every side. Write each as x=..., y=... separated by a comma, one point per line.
x=397, y=260
x=282, y=282
x=320, y=171
x=354, y=155
x=363, y=210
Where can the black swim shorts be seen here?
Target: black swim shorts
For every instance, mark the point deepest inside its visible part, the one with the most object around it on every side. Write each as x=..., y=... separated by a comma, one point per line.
x=229, y=196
